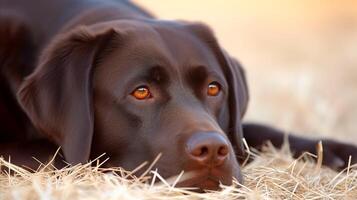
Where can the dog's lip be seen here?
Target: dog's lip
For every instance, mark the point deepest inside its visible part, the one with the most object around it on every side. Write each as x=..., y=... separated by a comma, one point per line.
x=201, y=183
x=209, y=184
x=205, y=180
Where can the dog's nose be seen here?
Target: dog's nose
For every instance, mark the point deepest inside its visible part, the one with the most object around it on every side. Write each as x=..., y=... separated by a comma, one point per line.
x=208, y=148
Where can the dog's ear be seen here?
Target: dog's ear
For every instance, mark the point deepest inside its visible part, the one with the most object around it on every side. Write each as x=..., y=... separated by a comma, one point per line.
x=238, y=89
x=57, y=96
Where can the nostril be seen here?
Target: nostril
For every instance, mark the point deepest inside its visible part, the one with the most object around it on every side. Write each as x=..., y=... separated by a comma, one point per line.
x=204, y=151
x=200, y=151
x=223, y=151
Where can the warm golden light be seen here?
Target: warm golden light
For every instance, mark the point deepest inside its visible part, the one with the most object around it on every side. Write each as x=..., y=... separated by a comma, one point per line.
x=299, y=56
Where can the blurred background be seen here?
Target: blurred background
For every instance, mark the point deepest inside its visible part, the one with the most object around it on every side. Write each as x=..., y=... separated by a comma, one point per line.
x=300, y=57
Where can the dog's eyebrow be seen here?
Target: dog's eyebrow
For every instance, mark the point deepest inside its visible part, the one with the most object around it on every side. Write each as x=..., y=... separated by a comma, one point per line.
x=198, y=75
x=155, y=74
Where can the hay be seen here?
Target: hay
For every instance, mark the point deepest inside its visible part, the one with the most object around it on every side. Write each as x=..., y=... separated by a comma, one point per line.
x=273, y=174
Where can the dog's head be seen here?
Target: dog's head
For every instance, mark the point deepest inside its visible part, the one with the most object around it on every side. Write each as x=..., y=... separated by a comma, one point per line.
x=134, y=90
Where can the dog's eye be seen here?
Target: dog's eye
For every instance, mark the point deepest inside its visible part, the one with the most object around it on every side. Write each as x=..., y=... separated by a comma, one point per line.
x=141, y=93
x=213, y=88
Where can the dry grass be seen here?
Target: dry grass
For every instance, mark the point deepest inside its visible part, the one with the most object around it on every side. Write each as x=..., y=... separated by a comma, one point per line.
x=273, y=174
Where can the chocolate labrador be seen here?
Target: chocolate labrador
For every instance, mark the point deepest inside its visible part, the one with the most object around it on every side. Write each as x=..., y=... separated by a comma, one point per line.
x=105, y=76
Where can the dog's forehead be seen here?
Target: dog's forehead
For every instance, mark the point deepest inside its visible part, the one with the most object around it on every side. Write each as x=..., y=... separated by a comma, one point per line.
x=167, y=42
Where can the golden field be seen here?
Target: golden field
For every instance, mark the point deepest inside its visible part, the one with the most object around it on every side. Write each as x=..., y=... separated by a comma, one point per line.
x=272, y=175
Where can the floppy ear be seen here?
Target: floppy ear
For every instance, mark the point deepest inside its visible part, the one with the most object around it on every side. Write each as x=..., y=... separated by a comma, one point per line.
x=238, y=97
x=57, y=96
x=238, y=82
x=238, y=89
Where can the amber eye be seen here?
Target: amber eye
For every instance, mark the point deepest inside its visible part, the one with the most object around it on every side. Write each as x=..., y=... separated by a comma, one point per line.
x=141, y=93
x=213, y=89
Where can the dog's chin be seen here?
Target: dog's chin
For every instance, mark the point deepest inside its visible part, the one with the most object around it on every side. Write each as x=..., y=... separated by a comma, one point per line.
x=203, y=185
x=201, y=181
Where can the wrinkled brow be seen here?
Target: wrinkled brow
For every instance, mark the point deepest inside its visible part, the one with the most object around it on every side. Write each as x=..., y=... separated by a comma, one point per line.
x=155, y=74
x=196, y=76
